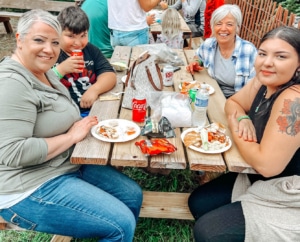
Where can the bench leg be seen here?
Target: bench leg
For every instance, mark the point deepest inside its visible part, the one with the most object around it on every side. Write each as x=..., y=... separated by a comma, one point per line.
x=7, y=25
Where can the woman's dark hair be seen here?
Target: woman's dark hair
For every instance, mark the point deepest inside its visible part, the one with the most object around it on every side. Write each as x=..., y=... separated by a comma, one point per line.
x=291, y=35
x=74, y=19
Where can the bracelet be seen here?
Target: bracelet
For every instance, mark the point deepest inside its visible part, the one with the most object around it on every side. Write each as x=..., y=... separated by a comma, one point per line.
x=243, y=117
x=57, y=73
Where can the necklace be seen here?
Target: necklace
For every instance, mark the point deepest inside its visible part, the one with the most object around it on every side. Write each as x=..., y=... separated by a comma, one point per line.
x=261, y=101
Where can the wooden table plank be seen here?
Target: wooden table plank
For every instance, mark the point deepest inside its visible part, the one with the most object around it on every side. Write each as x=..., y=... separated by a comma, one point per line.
x=91, y=150
x=232, y=157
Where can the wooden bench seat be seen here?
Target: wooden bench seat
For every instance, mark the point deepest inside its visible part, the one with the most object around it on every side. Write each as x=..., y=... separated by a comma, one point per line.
x=15, y=8
x=170, y=205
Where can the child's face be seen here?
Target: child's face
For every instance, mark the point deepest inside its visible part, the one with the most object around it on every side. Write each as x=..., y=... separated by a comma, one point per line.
x=70, y=41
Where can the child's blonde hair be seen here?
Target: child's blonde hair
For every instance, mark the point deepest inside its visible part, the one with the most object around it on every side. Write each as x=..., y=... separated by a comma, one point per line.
x=170, y=23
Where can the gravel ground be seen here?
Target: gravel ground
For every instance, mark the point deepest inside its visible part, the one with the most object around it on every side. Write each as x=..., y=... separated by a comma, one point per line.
x=7, y=41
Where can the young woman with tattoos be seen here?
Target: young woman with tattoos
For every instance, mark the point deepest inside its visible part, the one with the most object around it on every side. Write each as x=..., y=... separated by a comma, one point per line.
x=264, y=119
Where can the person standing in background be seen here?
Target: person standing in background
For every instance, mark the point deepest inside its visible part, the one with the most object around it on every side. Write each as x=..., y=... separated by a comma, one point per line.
x=211, y=6
x=99, y=33
x=128, y=21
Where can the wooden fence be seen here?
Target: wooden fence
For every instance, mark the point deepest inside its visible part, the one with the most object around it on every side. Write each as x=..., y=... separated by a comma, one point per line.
x=261, y=16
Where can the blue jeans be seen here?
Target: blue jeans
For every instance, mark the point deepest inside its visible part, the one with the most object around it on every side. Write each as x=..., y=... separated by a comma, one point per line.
x=129, y=38
x=94, y=202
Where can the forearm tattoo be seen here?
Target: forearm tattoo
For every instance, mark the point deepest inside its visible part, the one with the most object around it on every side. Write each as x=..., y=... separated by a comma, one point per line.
x=289, y=121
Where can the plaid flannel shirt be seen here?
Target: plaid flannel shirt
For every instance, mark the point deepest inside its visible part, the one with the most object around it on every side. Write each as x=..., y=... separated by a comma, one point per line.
x=243, y=59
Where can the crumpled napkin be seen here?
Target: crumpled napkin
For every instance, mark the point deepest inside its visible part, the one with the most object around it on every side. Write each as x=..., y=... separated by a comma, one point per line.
x=109, y=97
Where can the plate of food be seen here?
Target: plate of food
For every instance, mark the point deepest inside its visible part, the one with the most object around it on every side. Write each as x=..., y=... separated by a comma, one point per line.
x=210, y=139
x=116, y=130
x=195, y=85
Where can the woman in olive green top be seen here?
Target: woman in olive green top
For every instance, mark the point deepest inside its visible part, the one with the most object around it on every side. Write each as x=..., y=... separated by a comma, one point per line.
x=40, y=124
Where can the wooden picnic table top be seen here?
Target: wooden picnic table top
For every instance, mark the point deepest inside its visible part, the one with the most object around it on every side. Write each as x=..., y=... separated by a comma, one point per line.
x=94, y=151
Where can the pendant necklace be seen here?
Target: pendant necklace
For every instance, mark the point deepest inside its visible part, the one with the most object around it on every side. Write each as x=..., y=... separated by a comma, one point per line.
x=261, y=101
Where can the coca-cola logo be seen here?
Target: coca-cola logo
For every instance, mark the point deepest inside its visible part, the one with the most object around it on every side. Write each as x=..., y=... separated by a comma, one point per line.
x=138, y=106
x=169, y=74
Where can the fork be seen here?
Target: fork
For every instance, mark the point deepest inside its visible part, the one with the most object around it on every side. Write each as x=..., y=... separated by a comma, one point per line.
x=116, y=93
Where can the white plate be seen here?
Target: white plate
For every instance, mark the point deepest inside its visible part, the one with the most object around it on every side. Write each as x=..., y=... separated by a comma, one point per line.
x=123, y=124
x=202, y=150
x=123, y=79
x=211, y=90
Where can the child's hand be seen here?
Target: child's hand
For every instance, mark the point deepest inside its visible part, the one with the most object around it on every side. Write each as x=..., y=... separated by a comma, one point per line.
x=88, y=98
x=73, y=64
x=150, y=19
x=163, y=4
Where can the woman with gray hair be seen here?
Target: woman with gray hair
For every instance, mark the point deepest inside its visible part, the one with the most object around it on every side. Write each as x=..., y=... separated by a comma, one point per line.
x=228, y=58
x=40, y=124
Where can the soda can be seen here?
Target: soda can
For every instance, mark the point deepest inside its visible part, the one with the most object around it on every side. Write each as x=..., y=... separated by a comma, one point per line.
x=77, y=53
x=139, y=106
x=168, y=72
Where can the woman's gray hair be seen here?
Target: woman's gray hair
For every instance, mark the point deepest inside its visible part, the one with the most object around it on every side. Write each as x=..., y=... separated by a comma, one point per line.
x=222, y=11
x=37, y=15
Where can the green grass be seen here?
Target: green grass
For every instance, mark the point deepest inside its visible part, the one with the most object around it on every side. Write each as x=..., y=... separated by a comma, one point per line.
x=148, y=229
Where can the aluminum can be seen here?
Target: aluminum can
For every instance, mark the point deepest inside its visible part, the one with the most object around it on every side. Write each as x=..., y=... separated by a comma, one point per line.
x=77, y=53
x=139, y=107
x=168, y=72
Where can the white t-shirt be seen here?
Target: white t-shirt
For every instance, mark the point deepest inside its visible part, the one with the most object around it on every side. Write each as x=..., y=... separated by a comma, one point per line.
x=126, y=15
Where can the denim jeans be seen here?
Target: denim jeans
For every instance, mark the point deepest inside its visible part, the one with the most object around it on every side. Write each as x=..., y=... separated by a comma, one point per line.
x=94, y=202
x=129, y=38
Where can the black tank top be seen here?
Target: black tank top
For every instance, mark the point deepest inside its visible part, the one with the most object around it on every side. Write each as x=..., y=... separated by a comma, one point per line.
x=259, y=114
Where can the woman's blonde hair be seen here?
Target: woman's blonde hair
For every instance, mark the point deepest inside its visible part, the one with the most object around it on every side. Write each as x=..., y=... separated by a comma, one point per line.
x=170, y=23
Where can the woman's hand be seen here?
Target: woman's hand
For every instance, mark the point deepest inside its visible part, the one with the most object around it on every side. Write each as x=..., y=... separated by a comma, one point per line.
x=194, y=67
x=81, y=128
x=244, y=128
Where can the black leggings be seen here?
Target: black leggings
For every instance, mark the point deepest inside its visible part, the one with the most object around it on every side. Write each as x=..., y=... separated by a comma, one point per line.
x=218, y=220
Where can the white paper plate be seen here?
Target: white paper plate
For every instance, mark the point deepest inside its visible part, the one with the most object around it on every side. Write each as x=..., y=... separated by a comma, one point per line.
x=211, y=90
x=122, y=126
x=202, y=150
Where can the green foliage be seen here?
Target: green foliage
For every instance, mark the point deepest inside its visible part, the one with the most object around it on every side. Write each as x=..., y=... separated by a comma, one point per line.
x=292, y=5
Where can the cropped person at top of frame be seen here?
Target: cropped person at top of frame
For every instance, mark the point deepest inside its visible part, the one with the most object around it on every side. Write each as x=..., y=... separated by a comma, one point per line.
x=40, y=124
x=99, y=33
x=228, y=58
x=128, y=21
x=264, y=120
x=171, y=34
x=87, y=76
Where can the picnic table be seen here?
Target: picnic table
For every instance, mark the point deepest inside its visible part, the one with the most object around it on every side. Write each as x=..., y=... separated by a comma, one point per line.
x=94, y=151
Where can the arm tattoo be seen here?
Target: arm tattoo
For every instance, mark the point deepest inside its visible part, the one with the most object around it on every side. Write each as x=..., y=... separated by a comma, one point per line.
x=289, y=121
